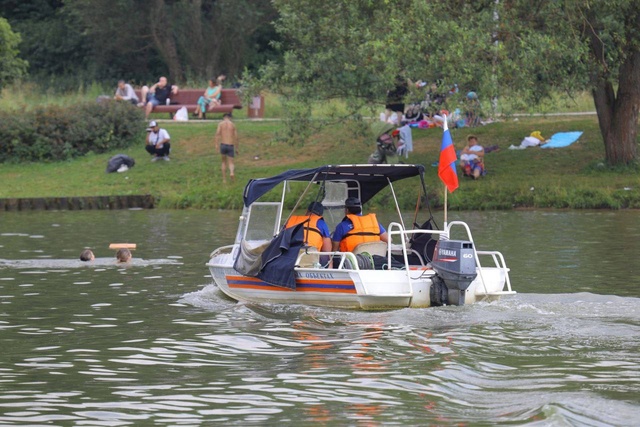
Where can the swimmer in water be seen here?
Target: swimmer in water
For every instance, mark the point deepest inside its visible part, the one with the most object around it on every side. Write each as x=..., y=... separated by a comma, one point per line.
x=87, y=255
x=123, y=255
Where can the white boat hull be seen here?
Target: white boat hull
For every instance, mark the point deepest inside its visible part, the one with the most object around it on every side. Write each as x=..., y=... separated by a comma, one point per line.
x=354, y=289
x=318, y=287
x=384, y=273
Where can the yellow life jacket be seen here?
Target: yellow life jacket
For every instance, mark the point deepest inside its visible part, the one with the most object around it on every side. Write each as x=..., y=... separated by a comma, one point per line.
x=365, y=229
x=312, y=234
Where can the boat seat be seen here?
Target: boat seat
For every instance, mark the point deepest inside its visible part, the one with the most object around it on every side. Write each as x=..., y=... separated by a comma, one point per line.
x=308, y=257
x=373, y=248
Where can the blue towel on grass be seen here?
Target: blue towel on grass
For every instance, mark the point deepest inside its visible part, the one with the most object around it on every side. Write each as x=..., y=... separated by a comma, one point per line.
x=562, y=139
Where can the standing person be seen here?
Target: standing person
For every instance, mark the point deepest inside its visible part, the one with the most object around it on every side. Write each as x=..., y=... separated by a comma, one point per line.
x=435, y=100
x=356, y=228
x=125, y=92
x=472, y=158
x=472, y=109
x=210, y=98
x=158, y=144
x=159, y=93
x=226, y=140
x=395, y=99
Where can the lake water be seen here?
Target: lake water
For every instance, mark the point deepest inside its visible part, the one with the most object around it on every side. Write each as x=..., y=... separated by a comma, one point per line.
x=155, y=343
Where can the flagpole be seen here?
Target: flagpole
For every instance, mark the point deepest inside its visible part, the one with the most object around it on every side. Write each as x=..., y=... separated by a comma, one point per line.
x=446, y=192
x=445, y=207
x=447, y=170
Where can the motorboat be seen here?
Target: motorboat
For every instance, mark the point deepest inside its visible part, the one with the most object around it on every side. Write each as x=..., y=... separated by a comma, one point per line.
x=419, y=266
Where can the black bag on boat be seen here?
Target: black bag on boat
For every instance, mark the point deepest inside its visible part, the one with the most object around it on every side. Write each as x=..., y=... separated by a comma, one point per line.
x=423, y=243
x=380, y=263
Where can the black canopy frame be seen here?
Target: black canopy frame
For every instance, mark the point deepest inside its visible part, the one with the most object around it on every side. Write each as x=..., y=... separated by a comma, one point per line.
x=371, y=179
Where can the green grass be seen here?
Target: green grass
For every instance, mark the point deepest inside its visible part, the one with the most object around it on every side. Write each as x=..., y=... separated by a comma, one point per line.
x=572, y=177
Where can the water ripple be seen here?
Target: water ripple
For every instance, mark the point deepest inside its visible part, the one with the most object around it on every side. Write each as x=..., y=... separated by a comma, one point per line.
x=116, y=346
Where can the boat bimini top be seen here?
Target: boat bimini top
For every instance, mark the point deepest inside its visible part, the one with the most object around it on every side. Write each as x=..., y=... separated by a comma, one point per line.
x=367, y=179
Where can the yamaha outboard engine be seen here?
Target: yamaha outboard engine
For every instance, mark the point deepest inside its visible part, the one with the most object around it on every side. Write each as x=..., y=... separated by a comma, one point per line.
x=455, y=263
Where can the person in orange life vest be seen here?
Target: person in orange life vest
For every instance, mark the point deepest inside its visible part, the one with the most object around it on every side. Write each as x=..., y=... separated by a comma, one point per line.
x=316, y=231
x=356, y=228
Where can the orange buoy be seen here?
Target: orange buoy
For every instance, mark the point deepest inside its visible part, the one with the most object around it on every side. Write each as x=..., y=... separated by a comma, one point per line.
x=130, y=246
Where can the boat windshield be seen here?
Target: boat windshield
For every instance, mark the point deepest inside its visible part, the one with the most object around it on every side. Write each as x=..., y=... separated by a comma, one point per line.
x=329, y=185
x=261, y=221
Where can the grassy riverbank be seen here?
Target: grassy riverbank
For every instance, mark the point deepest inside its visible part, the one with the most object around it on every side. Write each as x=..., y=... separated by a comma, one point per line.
x=572, y=177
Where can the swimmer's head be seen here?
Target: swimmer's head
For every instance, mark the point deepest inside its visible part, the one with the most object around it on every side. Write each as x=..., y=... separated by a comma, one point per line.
x=87, y=255
x=123, y=255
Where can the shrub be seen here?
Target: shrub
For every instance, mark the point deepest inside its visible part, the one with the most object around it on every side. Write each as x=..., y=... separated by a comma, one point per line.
x=54, y=133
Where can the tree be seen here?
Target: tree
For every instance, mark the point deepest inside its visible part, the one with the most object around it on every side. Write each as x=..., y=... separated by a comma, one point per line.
x=139, y=40
x=520, y=48
x=612, y=31
x=11, y=67
x=195, y=39
x=52, y=40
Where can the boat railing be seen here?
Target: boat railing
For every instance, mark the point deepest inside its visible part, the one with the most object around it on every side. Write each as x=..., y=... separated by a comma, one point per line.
x=342, y=264
x=499, y=263
x=497, y=257
x=342, y=258
x=396, y=229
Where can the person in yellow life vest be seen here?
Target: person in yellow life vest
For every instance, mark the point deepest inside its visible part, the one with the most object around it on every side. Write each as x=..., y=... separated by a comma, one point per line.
x=316, y=231
x=356, y=228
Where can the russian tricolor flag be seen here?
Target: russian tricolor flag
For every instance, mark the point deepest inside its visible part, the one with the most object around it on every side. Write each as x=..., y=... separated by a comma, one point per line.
x=447, y=164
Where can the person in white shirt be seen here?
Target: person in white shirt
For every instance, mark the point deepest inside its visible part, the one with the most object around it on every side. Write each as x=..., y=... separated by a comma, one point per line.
x=158, y=144
x=125, y=92
x=472, y=158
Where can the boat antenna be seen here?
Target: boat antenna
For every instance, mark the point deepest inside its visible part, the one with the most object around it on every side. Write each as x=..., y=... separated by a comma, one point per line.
x=415, y=215
x=396, y=200
x=426, y=200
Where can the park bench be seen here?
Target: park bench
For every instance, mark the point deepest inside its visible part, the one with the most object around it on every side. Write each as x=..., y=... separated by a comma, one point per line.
x=189, y=98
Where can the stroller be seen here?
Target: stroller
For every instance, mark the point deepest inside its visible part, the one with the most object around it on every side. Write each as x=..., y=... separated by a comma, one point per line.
x=386, y=150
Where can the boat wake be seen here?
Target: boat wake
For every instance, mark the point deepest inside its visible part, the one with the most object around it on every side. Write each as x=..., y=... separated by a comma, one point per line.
x=54, y=264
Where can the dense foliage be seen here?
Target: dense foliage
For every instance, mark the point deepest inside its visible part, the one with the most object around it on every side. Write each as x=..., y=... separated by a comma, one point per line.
x=55, y=133
x=525, y=50
x=11, y=66
x=77, y=41
x=352, y=50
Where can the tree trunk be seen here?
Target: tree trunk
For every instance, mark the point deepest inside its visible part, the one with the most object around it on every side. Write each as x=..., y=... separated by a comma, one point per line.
x=617, y=113
x=162, y=35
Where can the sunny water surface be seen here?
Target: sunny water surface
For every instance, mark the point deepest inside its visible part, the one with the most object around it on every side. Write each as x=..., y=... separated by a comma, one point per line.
x=154, y=343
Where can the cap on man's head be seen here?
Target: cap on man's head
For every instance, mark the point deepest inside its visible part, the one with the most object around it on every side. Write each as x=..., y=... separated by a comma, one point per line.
x=352, y=202
x=153, y=124
x=316, y=208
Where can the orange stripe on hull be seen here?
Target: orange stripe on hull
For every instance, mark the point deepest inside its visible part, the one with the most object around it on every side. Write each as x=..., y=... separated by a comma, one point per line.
x=302, y=285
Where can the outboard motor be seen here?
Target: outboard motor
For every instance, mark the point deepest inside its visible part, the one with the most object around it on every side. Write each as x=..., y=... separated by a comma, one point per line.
x=455, y=263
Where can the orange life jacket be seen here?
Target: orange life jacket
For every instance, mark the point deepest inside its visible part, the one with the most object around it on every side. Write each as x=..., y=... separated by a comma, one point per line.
x=365, y=229
x=312, y=234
